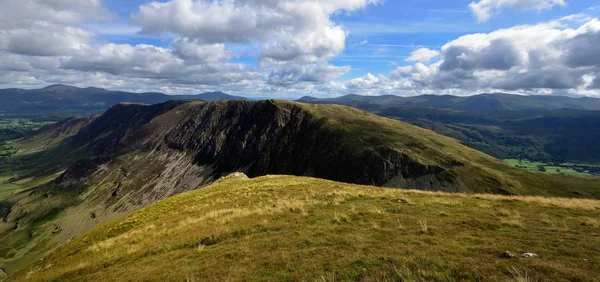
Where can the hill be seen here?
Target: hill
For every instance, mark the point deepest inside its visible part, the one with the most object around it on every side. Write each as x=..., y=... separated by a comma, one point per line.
x=483, y=102
x=549, y=129
x=79, y=173
x=556, y=136
x=288, y=228
x=210, y=96
x=66, y=98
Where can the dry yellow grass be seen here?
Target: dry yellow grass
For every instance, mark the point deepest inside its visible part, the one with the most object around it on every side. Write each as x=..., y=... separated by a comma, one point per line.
x=294, y=228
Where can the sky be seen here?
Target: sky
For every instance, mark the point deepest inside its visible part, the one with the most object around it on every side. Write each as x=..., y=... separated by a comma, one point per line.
x=292, y=48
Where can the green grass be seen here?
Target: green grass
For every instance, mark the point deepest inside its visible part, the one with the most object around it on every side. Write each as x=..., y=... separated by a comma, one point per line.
x=16, y=127
x=292, y=228
x=477, y=171
x=549, y=136
x=359, y=133
x=35, y=162
x=562, y=169
x=28, y=170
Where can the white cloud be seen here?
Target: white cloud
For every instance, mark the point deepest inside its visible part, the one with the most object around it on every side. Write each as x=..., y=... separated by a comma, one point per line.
x=242, y=20
x=555, y=57
x=47, y=27
x=289, y=74
x=23, y=13
x=369, y=81
x=297, y=36
x=44, y=39
x=194, y=52
x=422, y=55
x=184, y=64
x=485, y=9
x=291, y=44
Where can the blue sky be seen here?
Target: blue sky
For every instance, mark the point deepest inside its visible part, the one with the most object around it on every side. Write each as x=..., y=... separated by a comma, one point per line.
x=390, y=31
x=353, y=46
x=396, y=28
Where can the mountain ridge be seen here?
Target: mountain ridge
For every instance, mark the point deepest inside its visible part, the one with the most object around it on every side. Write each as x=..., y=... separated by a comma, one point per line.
x=481, y=102
x=66, y=98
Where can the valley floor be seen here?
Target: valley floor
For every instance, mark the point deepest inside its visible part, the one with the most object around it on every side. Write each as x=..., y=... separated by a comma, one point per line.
x=567, y=169
x=283, y=228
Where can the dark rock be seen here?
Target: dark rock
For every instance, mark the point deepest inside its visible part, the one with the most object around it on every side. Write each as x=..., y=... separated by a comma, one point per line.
x=80, y=171
x=259, y=138
x=57, y=229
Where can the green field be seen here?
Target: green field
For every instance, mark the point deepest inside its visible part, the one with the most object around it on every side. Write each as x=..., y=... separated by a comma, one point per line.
x=562, y=169
x=14, y=127
x=17, y=127
x=24, y=173
x=7, y=150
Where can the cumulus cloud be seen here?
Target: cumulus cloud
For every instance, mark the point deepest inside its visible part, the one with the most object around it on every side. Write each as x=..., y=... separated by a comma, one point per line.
x=485, y=9
x=125, y=59
x=422, y=55
x=242, y=20
x=522, y=57
x=553, y=57
x=183, y=64
x=22, y=13
x=291, y=45
x=289, y=74
x=297, y=36
x=47, y=27
x=44, y=39
x=359, y=82
x=195, y=52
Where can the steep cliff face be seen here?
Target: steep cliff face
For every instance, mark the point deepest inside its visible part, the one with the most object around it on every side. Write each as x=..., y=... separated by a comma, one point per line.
x=258, y=138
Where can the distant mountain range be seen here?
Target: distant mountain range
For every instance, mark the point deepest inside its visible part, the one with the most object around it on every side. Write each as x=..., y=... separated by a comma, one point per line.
x=60, y=97
x=65, y=98
x=483, y=102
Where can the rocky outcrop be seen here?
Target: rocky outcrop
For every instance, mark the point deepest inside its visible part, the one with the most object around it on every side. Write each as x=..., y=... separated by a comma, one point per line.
x=80, y=171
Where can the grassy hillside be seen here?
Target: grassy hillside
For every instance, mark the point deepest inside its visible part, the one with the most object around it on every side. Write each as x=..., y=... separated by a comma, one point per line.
x=27, y=230
x=538, y=128
x=549, y=136
x=295, y=228
x=478, y=172
x=136, y=155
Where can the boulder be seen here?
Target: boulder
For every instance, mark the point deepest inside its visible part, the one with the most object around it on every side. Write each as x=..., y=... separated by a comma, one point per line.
x=529, y=255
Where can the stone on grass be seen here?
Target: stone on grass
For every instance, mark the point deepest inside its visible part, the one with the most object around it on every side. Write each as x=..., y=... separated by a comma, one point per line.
x=529, y=255
x=507, y=254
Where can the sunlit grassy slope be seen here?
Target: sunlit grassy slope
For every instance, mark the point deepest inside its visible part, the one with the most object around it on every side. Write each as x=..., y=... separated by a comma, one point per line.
x=479, y=172
x=282, y=228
